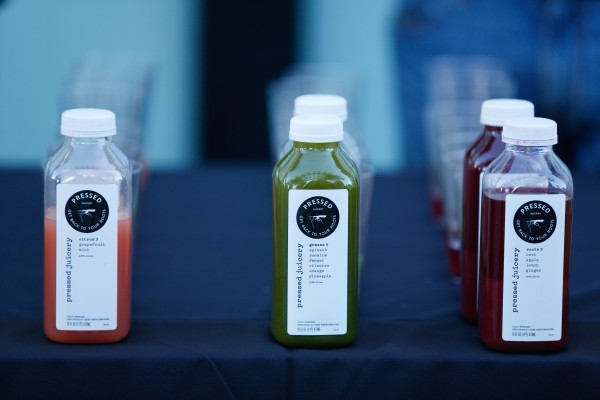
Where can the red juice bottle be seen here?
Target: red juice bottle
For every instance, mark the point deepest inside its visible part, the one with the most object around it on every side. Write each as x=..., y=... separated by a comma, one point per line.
x=87, y=245
x=485, y=149
x=526, y=226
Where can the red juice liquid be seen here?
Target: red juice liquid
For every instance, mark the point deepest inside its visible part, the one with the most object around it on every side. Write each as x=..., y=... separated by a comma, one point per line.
x=480, y=155
x=453, y=250
x=492, y=281
x=437, y=204
x=123, y=290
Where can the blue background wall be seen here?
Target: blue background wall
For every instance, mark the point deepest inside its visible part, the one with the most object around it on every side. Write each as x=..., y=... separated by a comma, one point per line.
x=358, y=35
x=40, y=41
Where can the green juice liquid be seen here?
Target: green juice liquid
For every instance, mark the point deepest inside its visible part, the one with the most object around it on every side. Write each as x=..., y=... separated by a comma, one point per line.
x=313, y=166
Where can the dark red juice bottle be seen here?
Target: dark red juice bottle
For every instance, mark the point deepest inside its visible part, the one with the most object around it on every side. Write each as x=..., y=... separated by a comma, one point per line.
x=485, y=149
x=526, y=225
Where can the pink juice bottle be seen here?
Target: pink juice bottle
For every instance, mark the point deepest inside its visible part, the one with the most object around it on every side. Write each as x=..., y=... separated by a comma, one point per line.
x=525, y=252
x=87, y=245
x=485, y=149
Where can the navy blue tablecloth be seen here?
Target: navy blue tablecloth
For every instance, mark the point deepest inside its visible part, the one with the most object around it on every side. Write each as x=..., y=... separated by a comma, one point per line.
x=202, y=298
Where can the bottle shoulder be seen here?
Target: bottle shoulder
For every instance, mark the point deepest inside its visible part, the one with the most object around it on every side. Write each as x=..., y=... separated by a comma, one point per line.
x=514, y=171
x=72, y=164
x=484, y=151
x=301, y=169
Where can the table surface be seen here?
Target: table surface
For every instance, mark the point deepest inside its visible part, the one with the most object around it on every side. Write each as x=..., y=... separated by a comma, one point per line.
x=202, y=299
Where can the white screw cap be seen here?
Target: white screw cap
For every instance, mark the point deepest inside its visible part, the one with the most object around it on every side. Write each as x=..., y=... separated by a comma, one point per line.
x=530, y=132
x=310, y=104
x=319, y=128
x=495, y=111
x=88, y=122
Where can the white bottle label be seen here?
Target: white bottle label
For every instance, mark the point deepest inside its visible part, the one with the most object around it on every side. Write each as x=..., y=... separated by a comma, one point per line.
x=86, y=257
x=533, y=267
x=317, y=262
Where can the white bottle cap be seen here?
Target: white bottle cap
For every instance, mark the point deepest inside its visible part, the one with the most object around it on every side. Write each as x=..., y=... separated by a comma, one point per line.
x=310, y=104
x=318, y=128
x=530, y=132
x=495, y=111
x=88, y=122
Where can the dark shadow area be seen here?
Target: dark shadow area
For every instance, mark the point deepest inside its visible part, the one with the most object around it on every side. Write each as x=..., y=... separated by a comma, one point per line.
x=247, y=44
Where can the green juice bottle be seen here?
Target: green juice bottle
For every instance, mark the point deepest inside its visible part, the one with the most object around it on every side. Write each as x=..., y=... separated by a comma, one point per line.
x=316, y=203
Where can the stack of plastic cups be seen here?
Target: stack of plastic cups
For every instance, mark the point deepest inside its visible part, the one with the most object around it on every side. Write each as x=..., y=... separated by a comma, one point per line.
x=299, y=80
x=456, y=85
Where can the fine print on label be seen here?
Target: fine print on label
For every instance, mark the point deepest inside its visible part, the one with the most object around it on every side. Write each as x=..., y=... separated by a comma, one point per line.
x=86, y=257
x=317, y=262
x=533, y=267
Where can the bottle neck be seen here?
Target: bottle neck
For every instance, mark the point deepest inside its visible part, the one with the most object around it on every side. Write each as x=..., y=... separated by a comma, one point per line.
x=535, y=150
x=316, y=146
x=86, y=141
x=493, y=131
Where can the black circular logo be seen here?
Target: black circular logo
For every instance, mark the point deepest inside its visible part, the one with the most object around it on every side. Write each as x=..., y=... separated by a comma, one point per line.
x=86, y=211
x=318, y=217
x=535, y=221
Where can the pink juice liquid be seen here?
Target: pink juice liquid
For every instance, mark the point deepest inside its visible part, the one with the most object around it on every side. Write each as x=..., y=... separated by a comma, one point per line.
x=492, y=281
x=123, y=289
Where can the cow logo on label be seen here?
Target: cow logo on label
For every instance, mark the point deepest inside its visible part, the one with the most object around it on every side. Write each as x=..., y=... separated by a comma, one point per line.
x=86, y=211
x=318, y=217
x=535, y=221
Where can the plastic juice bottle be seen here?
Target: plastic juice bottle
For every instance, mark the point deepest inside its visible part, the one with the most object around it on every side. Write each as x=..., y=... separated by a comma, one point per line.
x=485, y=149
x=526, y=242
x=87, y=267
x=316, y=205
